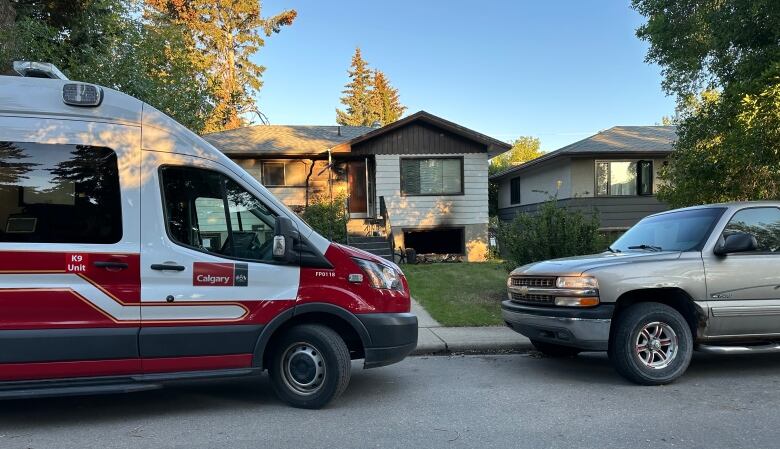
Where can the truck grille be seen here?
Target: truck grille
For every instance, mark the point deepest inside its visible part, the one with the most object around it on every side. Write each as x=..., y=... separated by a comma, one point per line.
x=532, y=299
x=533, y=282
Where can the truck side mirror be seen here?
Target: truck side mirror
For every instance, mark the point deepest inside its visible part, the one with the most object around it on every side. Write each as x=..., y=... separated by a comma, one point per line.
x=285, y=238
x=739, y=242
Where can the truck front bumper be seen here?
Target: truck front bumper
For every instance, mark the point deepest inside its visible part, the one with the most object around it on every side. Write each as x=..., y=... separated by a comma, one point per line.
x=393, y=337
x=580, y=328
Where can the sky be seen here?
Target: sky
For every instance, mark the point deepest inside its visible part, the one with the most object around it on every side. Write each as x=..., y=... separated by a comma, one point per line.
x=557, y=70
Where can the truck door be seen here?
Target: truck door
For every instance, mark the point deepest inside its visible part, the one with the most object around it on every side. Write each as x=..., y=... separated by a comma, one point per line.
x=744, y=288
x=209, y=281
x=69, y=249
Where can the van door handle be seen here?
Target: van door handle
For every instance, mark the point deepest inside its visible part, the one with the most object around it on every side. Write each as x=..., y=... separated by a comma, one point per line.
x=110, y=265
x=167, y=267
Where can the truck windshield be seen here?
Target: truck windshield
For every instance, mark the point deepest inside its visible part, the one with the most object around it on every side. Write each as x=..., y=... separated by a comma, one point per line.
x=675, y=231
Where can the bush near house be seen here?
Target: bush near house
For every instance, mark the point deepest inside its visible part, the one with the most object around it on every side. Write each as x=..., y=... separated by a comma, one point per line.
x=550, y=233
x=328, y=217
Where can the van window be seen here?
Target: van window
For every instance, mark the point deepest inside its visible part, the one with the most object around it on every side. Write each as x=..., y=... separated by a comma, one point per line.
x=53, y=193
x=761, y=222
x=209, y=212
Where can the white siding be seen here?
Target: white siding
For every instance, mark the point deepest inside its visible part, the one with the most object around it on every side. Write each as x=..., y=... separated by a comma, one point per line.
x=423, y=211
x=539, y=184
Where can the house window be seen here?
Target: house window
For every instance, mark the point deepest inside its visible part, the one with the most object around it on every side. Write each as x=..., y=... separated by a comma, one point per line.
x=432, y=176
x=284, y=173
x=514, y=190
x=624, y=178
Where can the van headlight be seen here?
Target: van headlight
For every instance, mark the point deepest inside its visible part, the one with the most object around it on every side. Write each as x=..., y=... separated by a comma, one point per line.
x=577, y=282
x=379, y=275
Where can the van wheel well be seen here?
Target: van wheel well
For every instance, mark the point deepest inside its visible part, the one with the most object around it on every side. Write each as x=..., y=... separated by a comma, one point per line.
x=675, y=298
x=341, y=326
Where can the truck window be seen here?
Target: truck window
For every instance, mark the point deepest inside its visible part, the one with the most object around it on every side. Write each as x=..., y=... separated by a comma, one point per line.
x=209, y=212
x=761, y=222
x=54, y=193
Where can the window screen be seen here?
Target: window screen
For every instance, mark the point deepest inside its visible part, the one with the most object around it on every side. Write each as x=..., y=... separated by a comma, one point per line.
x=53, y=193
x=434, y=176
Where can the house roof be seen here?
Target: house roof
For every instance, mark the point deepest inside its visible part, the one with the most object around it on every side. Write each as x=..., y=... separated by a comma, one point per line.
x=282, y=139
x=286, y=140
x=617, y=141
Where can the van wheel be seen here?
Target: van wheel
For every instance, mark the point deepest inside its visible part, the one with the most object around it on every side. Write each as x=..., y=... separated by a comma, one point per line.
x=553, y=350
x=310, y=367
x=651, y=344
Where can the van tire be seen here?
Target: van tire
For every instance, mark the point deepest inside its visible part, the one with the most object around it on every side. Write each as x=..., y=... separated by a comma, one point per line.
x=303, y=353
x=635, y=365
x=553, y=350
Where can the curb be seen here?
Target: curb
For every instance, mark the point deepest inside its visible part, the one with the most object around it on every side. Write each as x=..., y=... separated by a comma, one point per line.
x=455, y=340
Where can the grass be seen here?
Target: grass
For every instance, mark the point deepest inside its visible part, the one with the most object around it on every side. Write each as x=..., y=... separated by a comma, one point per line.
x=459, y=294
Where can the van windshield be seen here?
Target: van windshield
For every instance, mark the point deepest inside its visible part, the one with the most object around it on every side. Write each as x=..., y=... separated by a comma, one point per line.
x=675, y=231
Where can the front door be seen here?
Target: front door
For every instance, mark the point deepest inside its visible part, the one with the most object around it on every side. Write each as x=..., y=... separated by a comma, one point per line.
x=209, y=281
x=357, y=177
x=743, y=289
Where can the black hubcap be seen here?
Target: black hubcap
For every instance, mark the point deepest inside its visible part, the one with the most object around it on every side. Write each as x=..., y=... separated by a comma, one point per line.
x=302, y=368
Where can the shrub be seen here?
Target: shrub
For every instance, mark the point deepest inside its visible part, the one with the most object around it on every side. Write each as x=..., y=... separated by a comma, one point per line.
x=550, y=233
x=328, y=218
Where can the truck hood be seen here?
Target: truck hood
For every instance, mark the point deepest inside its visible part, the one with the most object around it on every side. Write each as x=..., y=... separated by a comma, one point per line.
x=360, y=254
x=580, y=264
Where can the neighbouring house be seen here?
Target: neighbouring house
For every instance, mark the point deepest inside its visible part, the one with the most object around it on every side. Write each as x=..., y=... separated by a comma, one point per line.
x=420, y=182
x=614, y=172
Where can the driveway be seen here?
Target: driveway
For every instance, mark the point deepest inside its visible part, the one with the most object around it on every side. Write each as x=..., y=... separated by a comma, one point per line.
x=458, y=402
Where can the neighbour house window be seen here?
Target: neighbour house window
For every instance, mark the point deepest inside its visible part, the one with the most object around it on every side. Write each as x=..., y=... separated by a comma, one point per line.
x=53, y=193
x=209, y=212
x=624, y=178
x=514, y=190
x=290, y=173
x=762, y=222
x=432, y=176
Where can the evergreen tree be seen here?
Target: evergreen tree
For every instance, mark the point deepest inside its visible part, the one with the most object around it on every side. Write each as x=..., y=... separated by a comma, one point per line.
x=225, y=34
x=385, y=105
x=357, y=95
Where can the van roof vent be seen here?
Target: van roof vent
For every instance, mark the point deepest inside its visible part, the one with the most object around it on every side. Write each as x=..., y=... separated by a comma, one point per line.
x=38, y=70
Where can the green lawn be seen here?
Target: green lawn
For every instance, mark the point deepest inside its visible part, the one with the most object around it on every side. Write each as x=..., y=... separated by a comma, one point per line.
x=459, y=294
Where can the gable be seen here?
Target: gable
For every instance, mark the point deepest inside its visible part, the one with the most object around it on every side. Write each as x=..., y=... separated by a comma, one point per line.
x=418, y=138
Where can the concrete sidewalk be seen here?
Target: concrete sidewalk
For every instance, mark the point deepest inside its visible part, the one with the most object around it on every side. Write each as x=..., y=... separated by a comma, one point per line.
x=433, y=339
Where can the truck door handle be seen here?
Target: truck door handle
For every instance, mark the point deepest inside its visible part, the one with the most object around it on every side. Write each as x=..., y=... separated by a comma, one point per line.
x=167, y=267
x=110, y=265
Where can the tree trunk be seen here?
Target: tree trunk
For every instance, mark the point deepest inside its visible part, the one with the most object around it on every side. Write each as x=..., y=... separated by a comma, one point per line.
x=7, y=17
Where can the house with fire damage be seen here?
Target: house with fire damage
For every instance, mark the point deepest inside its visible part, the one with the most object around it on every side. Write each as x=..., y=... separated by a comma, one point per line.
x=420, y=182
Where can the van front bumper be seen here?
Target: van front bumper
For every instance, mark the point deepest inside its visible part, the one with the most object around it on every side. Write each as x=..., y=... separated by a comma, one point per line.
x=393, y=337
x=580, y=328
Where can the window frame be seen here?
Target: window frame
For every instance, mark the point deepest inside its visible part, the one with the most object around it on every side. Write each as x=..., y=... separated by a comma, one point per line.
x=284, y=163
x=228, y=221
x=748, y=253
x=638, y=181
x=512, y=199
x=422, y=158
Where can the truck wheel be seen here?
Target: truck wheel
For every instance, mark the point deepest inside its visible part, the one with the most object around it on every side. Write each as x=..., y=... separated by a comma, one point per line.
x=553, y=350
x=310, y=367
x=651, y=345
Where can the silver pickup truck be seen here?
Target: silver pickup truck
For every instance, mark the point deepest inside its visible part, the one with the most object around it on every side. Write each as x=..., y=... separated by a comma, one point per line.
x=704, y=278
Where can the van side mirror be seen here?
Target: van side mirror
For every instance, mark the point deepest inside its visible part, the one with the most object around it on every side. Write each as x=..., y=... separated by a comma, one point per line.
x=285, y=239
x=739, y=242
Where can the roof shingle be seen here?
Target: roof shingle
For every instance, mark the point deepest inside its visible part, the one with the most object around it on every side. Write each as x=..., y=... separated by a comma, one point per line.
x=282, y=139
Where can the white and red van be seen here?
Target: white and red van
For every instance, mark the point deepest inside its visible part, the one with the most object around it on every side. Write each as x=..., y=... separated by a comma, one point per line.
x=133, y=253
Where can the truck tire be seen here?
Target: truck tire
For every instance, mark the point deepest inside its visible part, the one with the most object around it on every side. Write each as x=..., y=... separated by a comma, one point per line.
x=310, y=367
x=553, y=350
x=651, y=345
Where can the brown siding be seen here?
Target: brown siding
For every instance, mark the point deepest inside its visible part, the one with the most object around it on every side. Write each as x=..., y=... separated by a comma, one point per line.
x=418, y=138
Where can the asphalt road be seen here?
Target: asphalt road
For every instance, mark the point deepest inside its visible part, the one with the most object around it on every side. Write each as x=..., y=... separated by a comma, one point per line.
x=430, y=402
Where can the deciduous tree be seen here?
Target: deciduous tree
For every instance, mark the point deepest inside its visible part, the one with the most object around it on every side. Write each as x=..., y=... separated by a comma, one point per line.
x=524, y=149
x=722, y=60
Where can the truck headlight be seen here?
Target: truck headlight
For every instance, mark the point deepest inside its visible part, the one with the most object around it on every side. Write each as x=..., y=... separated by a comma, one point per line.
x=379, y=275
x=576, y=282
